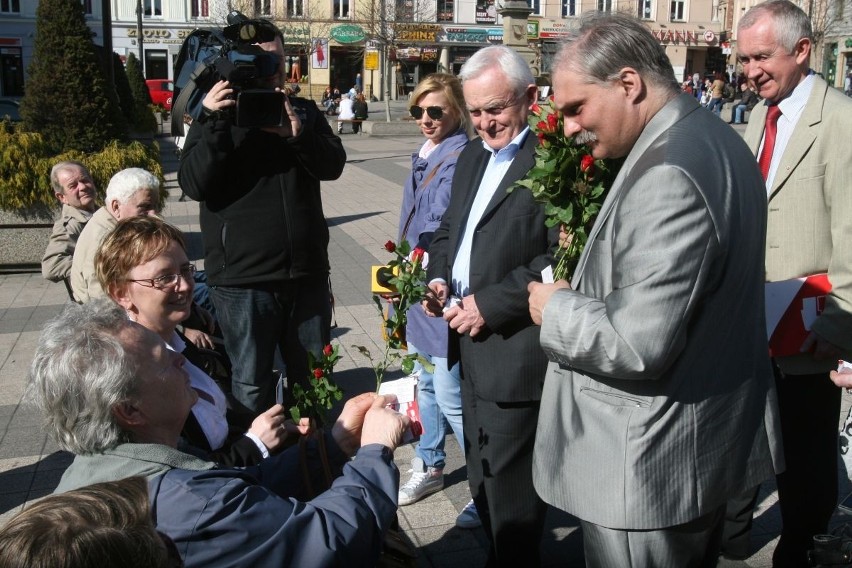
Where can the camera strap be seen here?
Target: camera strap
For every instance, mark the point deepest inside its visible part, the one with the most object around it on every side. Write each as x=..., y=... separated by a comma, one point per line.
x=424, y=183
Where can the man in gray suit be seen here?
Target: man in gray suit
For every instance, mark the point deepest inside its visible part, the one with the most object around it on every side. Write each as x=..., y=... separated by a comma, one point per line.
x=658, y=402
x=808, y=178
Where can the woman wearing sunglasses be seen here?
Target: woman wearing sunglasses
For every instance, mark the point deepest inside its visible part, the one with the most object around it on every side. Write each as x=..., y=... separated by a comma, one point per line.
x=142, y=265
x=439, y=109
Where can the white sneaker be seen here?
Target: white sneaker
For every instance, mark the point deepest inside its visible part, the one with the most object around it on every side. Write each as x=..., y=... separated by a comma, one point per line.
x=424, y=481
x=469, y=517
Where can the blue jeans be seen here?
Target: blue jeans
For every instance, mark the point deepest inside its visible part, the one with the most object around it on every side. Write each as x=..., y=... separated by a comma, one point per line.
x=737, y=113
x=439, y=400
x=291, y=316
x=716, y=106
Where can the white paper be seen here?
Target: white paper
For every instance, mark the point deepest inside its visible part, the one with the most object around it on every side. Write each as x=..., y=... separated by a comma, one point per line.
x=404, y=388
x=547, y=275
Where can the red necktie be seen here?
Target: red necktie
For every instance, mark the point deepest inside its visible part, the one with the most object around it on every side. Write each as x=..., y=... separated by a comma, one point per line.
x=772, y=115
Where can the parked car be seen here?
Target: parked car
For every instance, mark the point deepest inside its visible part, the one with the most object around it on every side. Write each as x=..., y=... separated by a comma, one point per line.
x=161, y=91
x=9, y=107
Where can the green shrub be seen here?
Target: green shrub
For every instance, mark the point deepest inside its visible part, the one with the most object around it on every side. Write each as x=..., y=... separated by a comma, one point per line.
x=143, y=115
x=26, y=160
x=67, y=97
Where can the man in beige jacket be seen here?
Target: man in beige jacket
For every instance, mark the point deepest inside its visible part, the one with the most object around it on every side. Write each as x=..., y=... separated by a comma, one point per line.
x=74, y=188
x=133, y=192
x=808, y=175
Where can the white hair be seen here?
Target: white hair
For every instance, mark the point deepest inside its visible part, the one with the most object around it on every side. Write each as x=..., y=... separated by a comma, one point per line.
x=504, y=58
x=126, y=183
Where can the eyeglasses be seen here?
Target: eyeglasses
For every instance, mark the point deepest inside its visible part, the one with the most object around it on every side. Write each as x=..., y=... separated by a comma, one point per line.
x=434, y=112
x=167, y=280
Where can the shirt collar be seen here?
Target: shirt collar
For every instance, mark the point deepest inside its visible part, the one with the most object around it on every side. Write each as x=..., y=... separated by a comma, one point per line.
x=792, y=105
x=511, y=149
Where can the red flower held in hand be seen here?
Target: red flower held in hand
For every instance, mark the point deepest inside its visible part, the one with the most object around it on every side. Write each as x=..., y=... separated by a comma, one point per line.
x=327, y=350
x=417, y=254
x=535, y=109
x=553, y=121
x=390, y=246
x=318, y=373
x=587, y=165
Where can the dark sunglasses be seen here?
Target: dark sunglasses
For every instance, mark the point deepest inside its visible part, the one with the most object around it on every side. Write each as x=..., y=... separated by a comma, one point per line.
x=434, y=112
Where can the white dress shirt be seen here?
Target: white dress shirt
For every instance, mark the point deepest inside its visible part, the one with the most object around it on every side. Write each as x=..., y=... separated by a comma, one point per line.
x=791, y=110
x=498, y=164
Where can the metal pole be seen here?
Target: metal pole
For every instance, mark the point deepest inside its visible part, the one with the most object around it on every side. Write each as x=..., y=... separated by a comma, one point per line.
x=139, y=40
x=106, y=29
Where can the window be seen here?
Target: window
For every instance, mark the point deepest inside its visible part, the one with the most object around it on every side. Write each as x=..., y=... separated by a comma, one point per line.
x=604, y=5
x=536, y=7
x=341, y=9
x=569, y=8
x=200, y=9
x=295, y=8
x=446, y=10
x=153, y=8
x=87, y=7
x=678, y=10
x=10, y=6
x=263, y=7
x=645, y=9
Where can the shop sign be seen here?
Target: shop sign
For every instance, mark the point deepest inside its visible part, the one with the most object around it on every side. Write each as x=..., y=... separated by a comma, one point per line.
x=417, y=32
x=532, y=29
x=347, y=33
x=465, y=35
x=159, y=35
x=554, y=29
x=296, y=34
x=371, y=60
x=486, y=12
x=495, y=35
x=681, y=36
x=10, y=41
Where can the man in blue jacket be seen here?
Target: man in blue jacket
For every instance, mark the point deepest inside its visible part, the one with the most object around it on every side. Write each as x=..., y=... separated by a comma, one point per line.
x=114, y=395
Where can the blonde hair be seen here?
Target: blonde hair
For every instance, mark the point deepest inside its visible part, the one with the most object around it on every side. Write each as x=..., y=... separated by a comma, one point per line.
x=451, y=87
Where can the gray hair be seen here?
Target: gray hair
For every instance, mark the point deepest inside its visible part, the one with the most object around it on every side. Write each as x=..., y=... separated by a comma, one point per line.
x=790, y=23
x=61, y=167
x=126, y=183
x=80, y=371
x=504, y=58
x=605, y=43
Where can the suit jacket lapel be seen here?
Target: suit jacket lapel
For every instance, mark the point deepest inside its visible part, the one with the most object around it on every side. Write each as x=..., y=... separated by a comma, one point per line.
x=521, y=164
x=475, y=172
x=673, y=112
x=802, y=138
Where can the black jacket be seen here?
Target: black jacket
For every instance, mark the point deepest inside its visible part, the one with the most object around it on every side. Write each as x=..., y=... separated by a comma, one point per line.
x=261, y=210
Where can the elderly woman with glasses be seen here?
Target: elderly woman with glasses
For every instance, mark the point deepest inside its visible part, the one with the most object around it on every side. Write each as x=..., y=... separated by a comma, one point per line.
x=111, y=392
x=142, y=265
x=438, y=107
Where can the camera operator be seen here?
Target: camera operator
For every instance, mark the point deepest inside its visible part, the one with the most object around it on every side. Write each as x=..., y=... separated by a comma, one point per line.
x=264, y=232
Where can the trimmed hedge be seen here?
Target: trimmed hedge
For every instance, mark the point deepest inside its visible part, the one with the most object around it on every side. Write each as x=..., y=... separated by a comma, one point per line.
x=25, y=163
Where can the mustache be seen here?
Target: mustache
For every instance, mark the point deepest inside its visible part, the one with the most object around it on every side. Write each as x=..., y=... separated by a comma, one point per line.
x=584, y=137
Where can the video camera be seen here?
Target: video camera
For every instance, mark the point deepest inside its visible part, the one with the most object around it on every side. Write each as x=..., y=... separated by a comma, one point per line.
x=208, y=56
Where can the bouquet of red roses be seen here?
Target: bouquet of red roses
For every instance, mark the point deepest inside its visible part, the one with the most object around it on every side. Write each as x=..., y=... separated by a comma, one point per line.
x=570, y=183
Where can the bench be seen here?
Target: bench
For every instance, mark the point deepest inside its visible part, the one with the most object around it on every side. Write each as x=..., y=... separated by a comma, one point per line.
x=352, y=121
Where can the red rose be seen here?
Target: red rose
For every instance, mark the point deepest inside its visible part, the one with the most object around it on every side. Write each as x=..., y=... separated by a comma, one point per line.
x=553, y=121
x=587, y=165
x=542, y=126
x=536, y=110
x=318, y=373
x=327, y=350
x=417, y=255
x=541, y=137
x=390, y=246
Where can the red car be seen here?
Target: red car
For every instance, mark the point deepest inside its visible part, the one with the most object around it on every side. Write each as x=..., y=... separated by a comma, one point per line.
x=161, y=92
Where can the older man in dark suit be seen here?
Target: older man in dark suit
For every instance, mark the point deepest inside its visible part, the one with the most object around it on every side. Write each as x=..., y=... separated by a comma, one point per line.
x=489, y=247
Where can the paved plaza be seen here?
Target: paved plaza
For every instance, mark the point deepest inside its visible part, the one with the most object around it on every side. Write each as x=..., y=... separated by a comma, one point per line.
x=362, y=209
